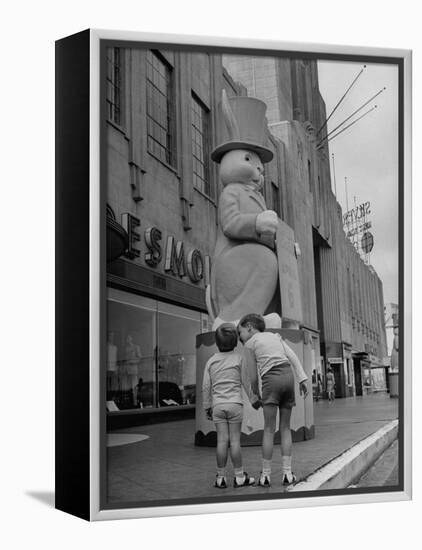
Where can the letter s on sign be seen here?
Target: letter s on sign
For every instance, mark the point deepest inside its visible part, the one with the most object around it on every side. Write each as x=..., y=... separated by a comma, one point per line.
x=152, y=238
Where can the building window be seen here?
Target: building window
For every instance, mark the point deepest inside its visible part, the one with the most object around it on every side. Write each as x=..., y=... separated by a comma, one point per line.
x=114, y=85
x=200, y=146
x=309, y=176
x=349, y=291
x=275, y=192
x=160, y=108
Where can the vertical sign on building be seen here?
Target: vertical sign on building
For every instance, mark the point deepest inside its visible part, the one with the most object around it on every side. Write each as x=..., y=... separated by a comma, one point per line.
x=291, y=304
x=356, y=225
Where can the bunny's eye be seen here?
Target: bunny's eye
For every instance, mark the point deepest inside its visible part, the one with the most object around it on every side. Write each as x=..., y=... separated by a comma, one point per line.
x=247, y=157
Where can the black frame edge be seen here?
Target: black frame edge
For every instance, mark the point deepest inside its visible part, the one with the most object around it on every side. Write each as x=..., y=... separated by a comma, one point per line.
x=72, y=418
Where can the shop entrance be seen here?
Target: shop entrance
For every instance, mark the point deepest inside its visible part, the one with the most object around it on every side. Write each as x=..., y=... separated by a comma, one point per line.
x=358, y=376
x=336, y=368
x=317, y=244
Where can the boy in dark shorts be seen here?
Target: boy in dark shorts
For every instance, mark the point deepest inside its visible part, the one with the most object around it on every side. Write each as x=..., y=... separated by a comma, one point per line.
x=224, y=375
x=274, y=361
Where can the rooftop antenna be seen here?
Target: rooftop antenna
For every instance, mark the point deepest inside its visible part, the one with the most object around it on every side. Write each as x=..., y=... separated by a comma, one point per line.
x=355, y=227
x=347, y=198
x=350, y=116
x=334, y=176
x=341, y=100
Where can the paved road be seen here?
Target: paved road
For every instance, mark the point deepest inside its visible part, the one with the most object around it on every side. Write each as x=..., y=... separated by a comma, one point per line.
x=384, y=473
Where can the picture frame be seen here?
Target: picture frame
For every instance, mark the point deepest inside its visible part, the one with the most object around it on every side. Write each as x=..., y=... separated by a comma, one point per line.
x=106, y=143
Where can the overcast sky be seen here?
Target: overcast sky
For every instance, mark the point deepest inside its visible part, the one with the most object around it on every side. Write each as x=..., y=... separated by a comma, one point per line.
x=367, y=154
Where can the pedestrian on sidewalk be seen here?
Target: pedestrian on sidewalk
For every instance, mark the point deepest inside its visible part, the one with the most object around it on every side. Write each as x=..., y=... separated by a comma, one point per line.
x=224, y=375
x=272, y=360
x=316, y=385
x=331, y=384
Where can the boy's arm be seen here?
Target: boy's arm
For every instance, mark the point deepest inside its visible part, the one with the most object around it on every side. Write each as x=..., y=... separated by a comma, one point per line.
x=246, y=381
x=296, y=364
x=206, y=388
x=251, y=367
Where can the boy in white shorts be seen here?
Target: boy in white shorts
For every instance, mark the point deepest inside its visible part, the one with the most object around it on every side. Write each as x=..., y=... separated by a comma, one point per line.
x=224, y=375
x=273, y=361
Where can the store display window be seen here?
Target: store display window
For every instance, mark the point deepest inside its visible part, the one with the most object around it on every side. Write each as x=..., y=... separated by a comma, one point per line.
x=151, y=352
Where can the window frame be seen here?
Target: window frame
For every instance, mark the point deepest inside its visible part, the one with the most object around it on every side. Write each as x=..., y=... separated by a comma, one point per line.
x=168, y=145
x=116, y=88
x=205, y=136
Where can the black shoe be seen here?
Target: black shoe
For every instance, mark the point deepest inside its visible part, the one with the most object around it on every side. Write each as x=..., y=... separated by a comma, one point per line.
x=222, y=484
x=264, y=480
x=288, y=479
x=247, y=481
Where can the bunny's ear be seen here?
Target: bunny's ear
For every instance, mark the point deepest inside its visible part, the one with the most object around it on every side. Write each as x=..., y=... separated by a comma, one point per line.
x=229, y=118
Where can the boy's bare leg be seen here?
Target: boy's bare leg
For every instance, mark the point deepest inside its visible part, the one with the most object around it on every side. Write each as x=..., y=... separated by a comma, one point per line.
x=222, y=444
x=235, y=451
x=241, y=479
x=270, y=417
x=286, y=447
x=285, y=432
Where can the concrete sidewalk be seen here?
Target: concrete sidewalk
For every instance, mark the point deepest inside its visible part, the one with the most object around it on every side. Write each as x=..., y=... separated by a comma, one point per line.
x=167, y=466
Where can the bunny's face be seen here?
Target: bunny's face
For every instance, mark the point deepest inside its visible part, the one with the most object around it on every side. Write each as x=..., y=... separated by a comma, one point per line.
x=242, y=166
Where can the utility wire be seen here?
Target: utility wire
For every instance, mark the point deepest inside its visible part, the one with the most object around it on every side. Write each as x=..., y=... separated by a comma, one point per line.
x=351, y=124
x=350, y=116
x=341, y=100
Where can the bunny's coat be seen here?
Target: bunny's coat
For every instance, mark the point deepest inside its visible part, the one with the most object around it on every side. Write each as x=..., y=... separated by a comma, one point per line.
x=245, y=271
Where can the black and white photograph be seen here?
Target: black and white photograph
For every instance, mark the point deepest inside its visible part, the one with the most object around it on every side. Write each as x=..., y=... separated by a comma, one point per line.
x=252, y=325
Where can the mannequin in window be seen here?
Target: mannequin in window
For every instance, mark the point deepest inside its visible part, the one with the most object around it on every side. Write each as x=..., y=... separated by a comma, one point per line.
x=132, y=363
x=112, y=379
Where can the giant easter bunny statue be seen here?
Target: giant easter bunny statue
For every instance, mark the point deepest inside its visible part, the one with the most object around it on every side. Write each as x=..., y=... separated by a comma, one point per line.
x=244, y=273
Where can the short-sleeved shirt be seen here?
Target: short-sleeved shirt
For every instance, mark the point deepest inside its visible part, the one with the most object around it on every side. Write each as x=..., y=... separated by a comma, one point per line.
x=268, y=350
x=224, y=375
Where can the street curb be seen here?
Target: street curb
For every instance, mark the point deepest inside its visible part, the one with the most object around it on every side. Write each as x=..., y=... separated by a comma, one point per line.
x=346, y=468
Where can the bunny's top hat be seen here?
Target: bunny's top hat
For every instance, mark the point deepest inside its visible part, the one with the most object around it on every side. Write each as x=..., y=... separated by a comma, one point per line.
x=246, y=126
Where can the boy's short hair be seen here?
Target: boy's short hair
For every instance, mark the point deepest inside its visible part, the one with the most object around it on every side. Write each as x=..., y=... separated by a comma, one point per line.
x=226, y=337
x=254, y=319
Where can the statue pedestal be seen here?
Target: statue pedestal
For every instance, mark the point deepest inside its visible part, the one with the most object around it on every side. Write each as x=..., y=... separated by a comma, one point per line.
x=302, y=422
